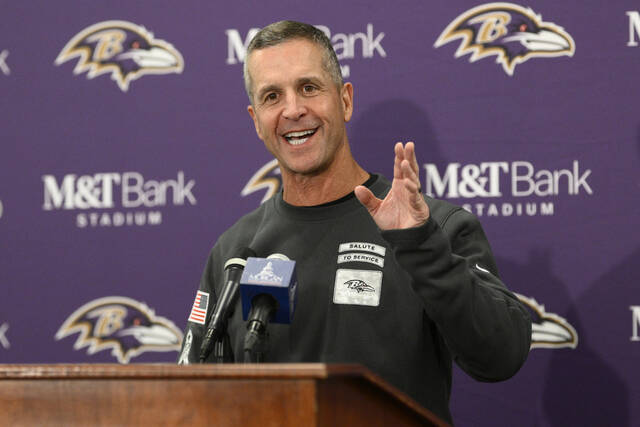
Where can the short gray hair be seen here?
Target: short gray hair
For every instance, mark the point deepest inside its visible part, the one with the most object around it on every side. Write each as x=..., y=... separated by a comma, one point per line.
x=282, y=31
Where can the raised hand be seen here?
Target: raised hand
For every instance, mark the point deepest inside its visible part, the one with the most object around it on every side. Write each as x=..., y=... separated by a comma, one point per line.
x=404, y=206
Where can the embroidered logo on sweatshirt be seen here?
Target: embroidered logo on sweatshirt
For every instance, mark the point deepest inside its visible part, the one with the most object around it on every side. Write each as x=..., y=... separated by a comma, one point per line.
x=358, y=287
x=362, y=252
x=199, y=309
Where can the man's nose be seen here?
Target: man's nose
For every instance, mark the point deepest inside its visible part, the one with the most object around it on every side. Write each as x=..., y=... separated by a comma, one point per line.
x=294, y=107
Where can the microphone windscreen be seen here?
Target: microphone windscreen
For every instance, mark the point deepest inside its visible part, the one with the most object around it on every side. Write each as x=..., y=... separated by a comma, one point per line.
x=240, y=259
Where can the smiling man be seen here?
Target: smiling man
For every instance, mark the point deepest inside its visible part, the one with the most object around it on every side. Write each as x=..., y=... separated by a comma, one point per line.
x=299, y=107
x=389, y=279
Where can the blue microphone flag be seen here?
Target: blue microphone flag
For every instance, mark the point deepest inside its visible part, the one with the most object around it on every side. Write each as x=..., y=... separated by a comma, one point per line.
x=271, y=276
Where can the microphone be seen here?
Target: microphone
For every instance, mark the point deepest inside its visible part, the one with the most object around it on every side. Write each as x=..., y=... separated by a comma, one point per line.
x=268, y=291
x=224, y=307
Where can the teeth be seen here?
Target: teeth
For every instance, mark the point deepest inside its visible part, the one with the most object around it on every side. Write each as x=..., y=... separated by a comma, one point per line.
x=297, y=141
x=298, y=138
x=297, y=134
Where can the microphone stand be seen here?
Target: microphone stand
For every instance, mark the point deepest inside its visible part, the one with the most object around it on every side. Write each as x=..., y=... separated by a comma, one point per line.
x=255, y=343
x=222, y=351
x=263, y=309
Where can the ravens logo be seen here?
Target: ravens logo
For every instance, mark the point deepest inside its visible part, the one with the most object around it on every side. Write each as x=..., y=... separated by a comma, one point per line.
x=121, y=324
x=268, y=177
x=510, y=32
x=121, y=48
x=359, y=286
x=548, y=330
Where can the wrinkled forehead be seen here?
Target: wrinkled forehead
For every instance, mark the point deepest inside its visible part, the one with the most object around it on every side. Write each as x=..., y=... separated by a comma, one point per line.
x=292, y=59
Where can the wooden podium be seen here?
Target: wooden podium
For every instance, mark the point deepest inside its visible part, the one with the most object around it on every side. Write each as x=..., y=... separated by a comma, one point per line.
x=216, y=395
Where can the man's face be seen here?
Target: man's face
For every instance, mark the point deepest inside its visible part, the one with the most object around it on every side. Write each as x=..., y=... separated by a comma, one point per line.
x=298, y=111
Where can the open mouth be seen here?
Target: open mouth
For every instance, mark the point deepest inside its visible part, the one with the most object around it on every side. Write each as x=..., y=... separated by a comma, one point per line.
x=299, y=137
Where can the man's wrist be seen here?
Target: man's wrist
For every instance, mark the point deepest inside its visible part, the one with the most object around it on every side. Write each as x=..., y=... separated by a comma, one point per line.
x=409, y=237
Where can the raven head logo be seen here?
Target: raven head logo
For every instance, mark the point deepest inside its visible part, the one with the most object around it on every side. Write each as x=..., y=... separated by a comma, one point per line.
x=125, y=50
x=121, y=324
x=510, y=32
x=268, y=177
x=548, y=330
x=359, y=286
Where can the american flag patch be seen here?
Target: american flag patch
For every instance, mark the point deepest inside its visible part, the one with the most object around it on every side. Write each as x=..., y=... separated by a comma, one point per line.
x=199, y=309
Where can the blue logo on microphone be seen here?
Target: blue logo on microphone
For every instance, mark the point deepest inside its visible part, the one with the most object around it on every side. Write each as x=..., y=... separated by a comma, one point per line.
x=272, y=276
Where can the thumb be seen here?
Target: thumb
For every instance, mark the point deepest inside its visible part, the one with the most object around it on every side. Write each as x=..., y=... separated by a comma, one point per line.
x=366, y=197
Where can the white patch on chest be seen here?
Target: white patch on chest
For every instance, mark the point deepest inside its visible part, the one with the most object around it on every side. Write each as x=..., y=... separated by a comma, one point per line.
x=357, y=287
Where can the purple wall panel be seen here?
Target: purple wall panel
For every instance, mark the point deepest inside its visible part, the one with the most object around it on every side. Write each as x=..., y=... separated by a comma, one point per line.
x=106, y=192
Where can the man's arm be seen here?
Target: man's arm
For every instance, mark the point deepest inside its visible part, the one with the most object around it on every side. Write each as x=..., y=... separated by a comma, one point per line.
x=451, y=265
x=486, y=328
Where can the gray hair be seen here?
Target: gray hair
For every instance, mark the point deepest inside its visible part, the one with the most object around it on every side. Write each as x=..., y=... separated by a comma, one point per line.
x=280, y=32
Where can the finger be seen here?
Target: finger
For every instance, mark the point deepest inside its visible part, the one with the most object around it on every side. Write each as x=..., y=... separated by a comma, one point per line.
x=410, y=154
x=366, y=197
x=412, y=183
x=399, y=152
x=399, y=149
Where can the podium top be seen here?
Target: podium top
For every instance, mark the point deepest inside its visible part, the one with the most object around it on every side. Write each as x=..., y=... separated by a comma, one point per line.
x=163, y=370
x=135, y=372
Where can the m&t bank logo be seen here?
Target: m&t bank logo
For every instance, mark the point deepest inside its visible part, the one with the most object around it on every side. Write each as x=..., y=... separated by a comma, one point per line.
x=513, y=188
x=128, y=191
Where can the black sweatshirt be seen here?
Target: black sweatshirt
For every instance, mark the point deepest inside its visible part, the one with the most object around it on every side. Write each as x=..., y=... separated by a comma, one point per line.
x=403, y=303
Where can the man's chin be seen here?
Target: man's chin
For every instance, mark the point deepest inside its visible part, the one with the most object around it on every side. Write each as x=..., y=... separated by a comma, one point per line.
x=303, y=169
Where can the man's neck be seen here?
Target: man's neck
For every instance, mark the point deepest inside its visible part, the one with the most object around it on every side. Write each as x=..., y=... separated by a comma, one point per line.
x=327, y=186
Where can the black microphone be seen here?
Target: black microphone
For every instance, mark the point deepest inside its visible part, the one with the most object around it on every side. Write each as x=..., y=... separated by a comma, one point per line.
x=224, y=307
x=263, y=310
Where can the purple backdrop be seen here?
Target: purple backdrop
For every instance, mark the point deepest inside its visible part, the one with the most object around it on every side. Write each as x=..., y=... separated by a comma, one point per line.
x=126, y=146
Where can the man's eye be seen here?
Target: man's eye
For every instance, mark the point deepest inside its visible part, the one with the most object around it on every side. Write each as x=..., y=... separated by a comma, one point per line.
x=271, y=97
x=308, y=89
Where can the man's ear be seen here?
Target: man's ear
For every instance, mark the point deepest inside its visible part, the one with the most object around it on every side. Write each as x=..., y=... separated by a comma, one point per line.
x=347, y=100
x=252, y=113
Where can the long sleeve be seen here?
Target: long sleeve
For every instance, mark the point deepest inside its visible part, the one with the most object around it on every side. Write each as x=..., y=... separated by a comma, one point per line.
x=486, y=328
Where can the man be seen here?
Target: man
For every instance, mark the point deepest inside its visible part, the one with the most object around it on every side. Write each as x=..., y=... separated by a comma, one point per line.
x=386, y=279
